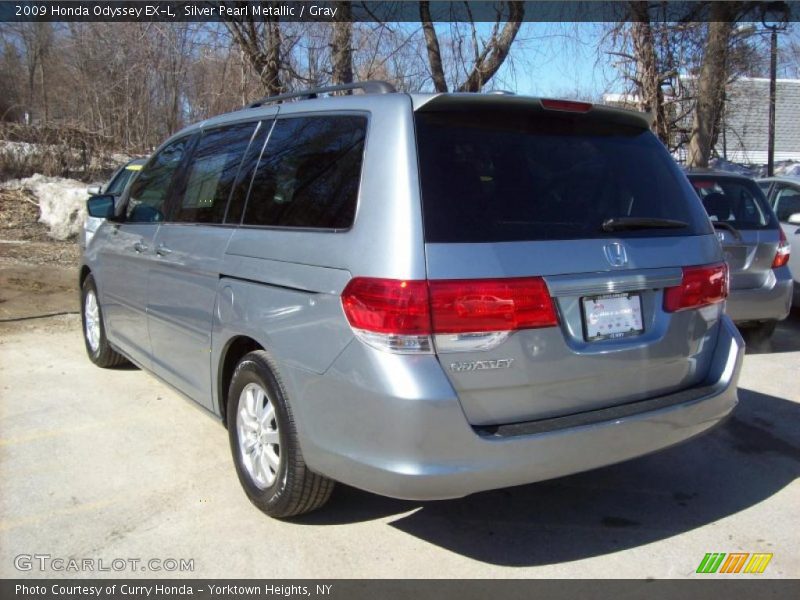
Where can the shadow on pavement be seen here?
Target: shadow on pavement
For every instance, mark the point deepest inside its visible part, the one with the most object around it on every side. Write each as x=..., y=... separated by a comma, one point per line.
x=752, y=456
x=785, y=339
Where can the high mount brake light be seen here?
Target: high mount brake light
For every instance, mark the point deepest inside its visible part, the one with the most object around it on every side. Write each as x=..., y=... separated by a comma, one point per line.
x=567, y=105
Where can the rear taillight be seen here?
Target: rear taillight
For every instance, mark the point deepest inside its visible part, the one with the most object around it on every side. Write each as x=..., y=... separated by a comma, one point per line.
x=782, y=255
x=389, y=314
x=401, y=316
x=700, y=287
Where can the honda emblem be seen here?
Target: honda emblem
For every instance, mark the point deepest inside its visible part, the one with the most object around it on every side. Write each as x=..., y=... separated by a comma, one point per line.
x=615, y=254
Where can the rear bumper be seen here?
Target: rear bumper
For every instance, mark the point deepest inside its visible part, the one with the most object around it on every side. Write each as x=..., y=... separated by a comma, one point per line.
x=395, y=427
x=770, y=302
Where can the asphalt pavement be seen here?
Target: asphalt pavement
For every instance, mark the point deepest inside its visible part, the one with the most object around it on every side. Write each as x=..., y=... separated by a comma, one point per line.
x=112, y=464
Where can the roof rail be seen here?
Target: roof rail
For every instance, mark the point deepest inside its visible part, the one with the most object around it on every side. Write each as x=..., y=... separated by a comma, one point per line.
x=368, y=87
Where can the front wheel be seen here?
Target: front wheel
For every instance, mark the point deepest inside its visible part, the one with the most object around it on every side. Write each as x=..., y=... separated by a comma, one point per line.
x=94, y=331
x=264, y=443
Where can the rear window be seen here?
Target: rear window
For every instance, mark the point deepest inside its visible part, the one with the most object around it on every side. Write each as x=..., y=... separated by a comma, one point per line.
x=787, y=202
x=737, y=202
x=490, y=176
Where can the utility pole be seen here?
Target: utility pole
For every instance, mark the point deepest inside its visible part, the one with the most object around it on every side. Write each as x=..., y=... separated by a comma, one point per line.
x=774, y=16
x=773, y=74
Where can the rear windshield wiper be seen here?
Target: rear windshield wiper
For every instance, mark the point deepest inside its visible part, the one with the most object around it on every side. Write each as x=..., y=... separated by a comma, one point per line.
x=728, y=227
x=630, y=223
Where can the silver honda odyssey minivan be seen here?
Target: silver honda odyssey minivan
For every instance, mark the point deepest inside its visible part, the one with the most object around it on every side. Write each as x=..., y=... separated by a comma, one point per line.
x=419, y=295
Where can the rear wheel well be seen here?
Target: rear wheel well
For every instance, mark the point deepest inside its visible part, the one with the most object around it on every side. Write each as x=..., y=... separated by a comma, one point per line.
x=85, y=271
x=237, y=348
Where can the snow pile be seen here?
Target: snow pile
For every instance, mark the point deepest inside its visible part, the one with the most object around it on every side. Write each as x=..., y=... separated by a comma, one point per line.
x=790, y=169
x=724, y=165
x=62, y=202
x=19, y=149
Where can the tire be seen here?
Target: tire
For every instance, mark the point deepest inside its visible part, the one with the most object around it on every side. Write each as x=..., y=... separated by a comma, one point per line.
x=94, y=330
x=264, y=443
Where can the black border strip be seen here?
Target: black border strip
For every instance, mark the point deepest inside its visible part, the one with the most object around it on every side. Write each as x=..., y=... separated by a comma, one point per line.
x=368, y=11
x=704, y=586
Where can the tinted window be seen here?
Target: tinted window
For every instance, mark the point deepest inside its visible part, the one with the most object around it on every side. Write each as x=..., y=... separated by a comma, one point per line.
x=787, y=202
x=149, y=190
x=492, y=176
x=245, y=176
x=119, y=182
x=739, y=202
x=211, y=174
x=309, y=173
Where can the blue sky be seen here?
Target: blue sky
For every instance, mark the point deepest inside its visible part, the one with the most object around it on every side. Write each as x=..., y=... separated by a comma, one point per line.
x=558, y=59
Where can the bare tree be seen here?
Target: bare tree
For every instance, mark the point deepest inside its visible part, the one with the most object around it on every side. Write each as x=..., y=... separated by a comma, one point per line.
x=261, y=42
x=790, y=57
x=432, y=45
x=11, y=70
x=37, y=40
x=653, y=55
x=485, y=59
x=341, y=48
x=648, y=76
x=711, y=82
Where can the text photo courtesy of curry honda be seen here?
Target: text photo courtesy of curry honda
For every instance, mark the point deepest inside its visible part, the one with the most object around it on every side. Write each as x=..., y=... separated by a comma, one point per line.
x=465, y=290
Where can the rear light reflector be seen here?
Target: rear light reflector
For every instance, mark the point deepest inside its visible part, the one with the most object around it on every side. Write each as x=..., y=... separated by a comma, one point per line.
x=401, y=316
x=701, y=286
x=567, y=105
x=782, y=255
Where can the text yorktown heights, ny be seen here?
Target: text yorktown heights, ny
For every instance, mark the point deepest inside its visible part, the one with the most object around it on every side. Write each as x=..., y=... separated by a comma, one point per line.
x=158, y=590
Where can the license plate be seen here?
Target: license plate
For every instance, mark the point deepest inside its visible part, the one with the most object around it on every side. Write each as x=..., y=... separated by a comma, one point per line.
x=612, y=316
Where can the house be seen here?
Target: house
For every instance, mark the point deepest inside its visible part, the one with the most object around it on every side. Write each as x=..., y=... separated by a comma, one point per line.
x=745, y=122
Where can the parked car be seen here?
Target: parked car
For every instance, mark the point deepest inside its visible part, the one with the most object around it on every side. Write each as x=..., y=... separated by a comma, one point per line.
x=783, y=194
x=419, y=295
x=115, y=185
x=755, y=249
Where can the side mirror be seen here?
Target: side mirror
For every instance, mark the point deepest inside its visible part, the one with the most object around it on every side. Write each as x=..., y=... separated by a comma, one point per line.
x=94, y=190
x=794, y=219
x=101, y=206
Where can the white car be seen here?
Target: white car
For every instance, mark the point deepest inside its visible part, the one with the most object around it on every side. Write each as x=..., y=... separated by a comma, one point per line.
x=783, y=194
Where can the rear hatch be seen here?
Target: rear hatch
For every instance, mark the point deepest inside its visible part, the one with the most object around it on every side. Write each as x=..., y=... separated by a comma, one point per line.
x=519, y=192
x=745, y=225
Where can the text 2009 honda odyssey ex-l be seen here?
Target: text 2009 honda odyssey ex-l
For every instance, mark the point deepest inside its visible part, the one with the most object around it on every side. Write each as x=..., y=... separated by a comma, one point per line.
x=420, y=295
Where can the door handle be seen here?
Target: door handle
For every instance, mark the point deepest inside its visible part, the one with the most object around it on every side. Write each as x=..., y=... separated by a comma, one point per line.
x=140, y=247
x=162, y=250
